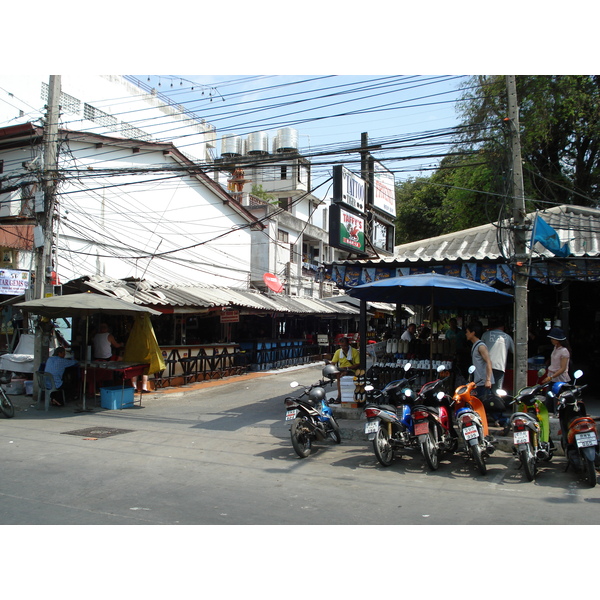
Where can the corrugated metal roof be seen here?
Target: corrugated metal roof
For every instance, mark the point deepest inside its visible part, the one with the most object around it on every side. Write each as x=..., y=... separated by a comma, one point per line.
x=577, y=225
x=207, y=297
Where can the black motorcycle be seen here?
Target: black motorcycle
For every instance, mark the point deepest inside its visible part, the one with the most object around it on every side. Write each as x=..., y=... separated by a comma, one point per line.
x=312, y=418
x=579, y=434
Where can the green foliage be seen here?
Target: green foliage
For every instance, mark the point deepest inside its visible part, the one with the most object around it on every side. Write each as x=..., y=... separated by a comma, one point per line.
x=559, y=119
x=259, y=192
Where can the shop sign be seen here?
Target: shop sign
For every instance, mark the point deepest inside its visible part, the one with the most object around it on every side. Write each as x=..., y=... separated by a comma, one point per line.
x=348, y=188
x=230, y=316
x=13, y=282
x=384, y=190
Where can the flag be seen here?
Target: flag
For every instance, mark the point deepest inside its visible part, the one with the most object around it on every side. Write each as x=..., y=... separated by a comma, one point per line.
x=547, y=237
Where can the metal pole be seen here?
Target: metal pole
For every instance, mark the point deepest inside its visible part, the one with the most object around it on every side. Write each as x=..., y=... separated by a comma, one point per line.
x=519, y=229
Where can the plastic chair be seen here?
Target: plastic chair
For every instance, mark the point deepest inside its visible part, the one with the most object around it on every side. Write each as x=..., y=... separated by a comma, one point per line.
x=46, y=386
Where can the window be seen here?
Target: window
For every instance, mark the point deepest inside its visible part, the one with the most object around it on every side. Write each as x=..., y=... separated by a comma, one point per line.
x=285, y=203
x=284, y=172
x=283, y=236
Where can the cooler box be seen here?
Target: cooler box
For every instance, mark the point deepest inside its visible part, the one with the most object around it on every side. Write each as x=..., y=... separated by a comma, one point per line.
x=29, y=388
x=116, y=397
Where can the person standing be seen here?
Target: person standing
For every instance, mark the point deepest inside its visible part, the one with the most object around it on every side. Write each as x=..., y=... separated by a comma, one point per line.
x=560, y=357
x=499, y=345
x=346, y=359
x=483, y=375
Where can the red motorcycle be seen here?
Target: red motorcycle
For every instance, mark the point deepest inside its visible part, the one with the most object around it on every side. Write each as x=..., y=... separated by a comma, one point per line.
x=431, y=421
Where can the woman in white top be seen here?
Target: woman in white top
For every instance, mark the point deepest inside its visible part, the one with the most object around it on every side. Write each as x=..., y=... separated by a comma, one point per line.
x=560, y=357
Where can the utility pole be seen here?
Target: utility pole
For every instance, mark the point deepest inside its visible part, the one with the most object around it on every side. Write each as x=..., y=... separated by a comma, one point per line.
x=45, y=227
x=519, y=229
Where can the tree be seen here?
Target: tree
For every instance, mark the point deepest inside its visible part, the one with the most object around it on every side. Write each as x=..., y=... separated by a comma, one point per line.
x=560, y=131
x=560, y=144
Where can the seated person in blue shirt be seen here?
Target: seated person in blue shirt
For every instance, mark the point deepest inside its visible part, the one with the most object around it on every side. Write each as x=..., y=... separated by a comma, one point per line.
x=56, y=365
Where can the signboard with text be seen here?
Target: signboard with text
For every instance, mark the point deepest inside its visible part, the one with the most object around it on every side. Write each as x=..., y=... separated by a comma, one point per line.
x=14, y=282
x=346, y=230
x=384, y=190
x=348, y=189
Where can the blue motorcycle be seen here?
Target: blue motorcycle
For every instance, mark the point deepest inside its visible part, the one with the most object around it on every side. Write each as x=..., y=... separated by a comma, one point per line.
x=389, y=419
x=312, y=418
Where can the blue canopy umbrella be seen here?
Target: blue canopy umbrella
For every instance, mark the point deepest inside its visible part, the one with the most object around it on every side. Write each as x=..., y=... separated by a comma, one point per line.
x=431, y=289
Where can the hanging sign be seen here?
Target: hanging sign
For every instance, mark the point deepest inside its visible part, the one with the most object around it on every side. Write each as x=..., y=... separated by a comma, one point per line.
x=272, y=282
x=230, y=316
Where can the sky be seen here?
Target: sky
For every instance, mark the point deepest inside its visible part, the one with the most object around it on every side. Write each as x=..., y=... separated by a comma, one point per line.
x=407, y=115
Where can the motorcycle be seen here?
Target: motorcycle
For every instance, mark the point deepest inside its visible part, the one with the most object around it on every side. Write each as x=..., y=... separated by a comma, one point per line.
x=530, y=424
x=579, y=436
x=312, y=418
x=389, y=419
x=472, y=425
x=431, y=421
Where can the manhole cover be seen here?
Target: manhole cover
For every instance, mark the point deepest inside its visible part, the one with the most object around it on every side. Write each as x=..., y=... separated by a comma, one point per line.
x=97, y=432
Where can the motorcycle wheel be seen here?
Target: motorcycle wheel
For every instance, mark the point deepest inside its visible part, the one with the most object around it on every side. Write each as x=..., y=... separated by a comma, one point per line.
x=301, y=438
x=590, y=469
x=334, y=433
x=6, y=406
x=478, y=459
x=382, y=447
x=429, y=448
x=528, y=461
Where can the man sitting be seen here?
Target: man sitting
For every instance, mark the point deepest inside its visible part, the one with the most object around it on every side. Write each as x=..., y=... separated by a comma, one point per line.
x=56, y=365
x=347, y=359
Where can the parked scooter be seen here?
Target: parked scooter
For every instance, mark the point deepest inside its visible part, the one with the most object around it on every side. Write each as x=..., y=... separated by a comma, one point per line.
x=389, y=420
x=431, y=420
x=471, y=422
x=530, y=425
x=312, y=418
x=579, y=436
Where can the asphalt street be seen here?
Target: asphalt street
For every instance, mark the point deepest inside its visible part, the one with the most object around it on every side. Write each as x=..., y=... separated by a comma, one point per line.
x=219, y=453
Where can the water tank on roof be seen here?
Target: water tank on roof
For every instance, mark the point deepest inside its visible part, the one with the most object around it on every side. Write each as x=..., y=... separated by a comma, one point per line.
x=258, y=143
x=286, y=140
x=231, y=145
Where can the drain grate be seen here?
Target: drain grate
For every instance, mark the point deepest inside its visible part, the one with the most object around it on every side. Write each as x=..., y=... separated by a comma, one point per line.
x=97, y=432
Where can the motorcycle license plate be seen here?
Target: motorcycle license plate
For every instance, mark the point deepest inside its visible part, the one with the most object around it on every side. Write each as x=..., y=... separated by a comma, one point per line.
x=470, y=432
x=521, y=437
x=290, y=415
x=586, y=439
x=422, y=428
x=372, y=427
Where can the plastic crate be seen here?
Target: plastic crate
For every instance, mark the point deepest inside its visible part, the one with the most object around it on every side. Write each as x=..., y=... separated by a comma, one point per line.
x=114, y=398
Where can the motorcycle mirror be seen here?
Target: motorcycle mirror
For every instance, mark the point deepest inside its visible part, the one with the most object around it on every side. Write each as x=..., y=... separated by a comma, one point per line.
x=578, y=374
x=294, y=384
x=440, y=395
x=471, y=369
x=542, y=372
x=407, y=367
x=369, y=388
x=501, y=393
x=407, y=392
x=441, y=368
